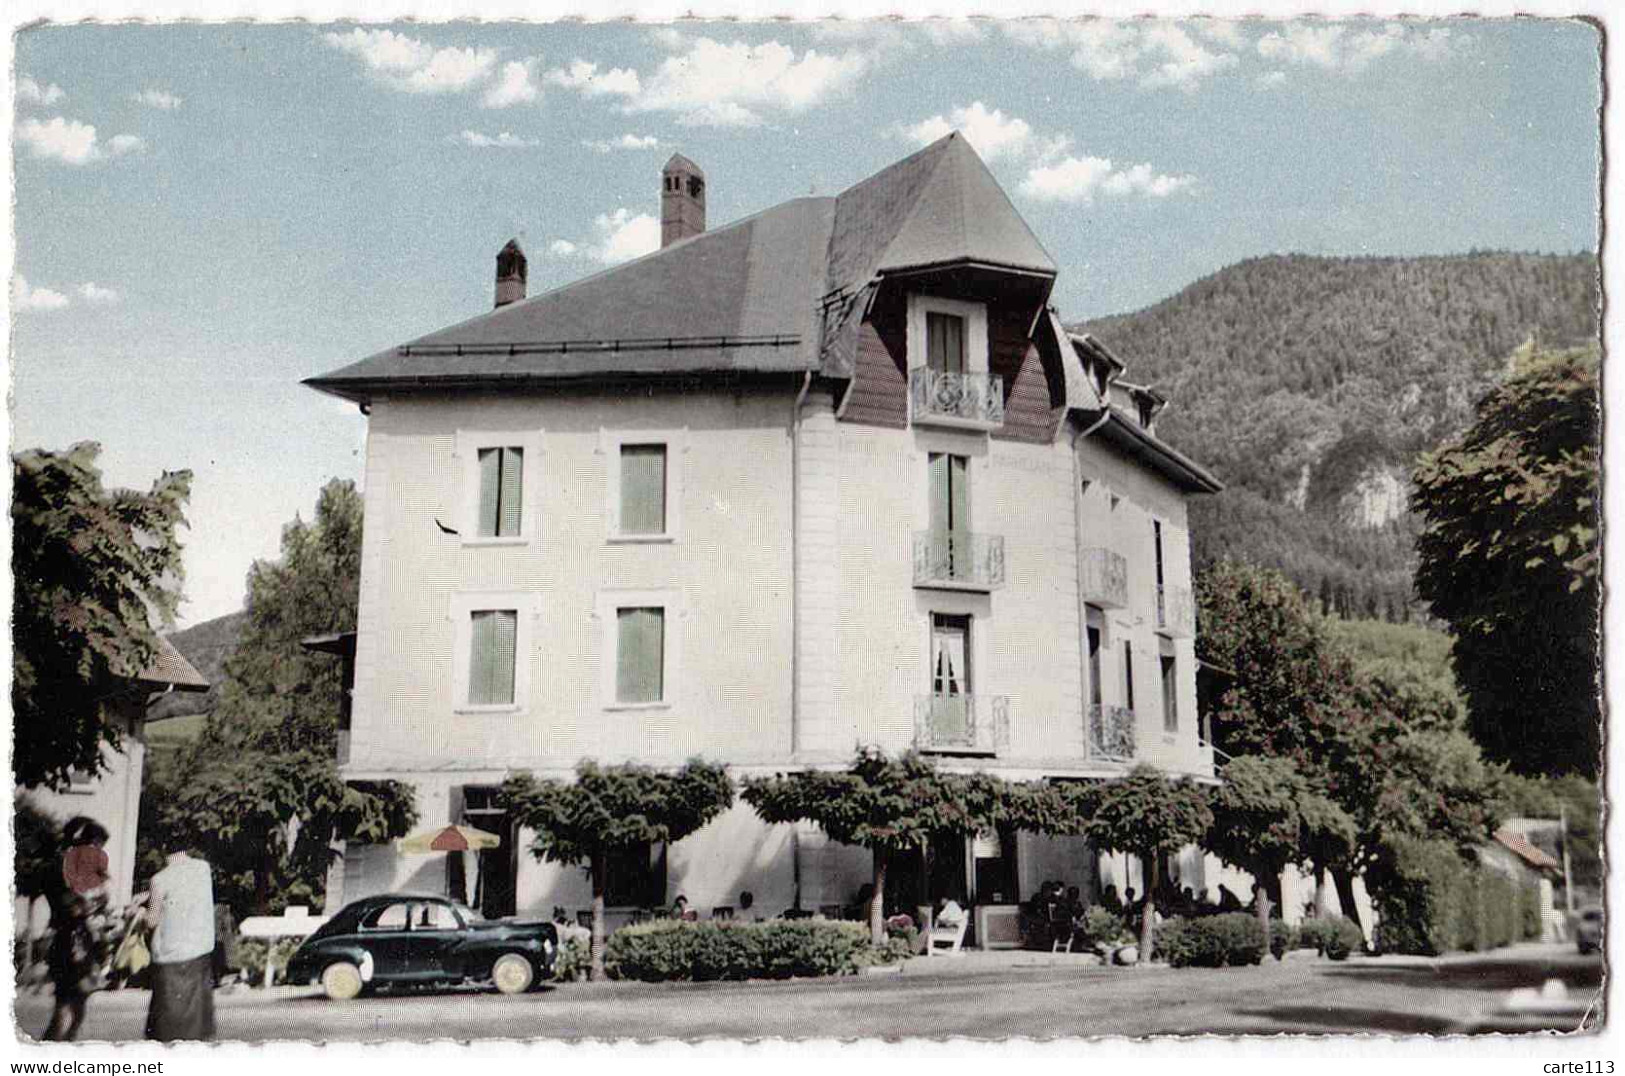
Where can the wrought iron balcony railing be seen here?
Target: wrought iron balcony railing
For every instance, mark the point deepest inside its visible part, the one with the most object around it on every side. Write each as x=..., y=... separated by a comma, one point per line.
x=1176, y=613
x=1105, y=578
x=1111, y=732
x=959, y=560
x=941, y=398
x=968, y=724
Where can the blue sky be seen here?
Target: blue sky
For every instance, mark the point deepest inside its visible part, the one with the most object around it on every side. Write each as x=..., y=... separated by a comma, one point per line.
x=207, y=214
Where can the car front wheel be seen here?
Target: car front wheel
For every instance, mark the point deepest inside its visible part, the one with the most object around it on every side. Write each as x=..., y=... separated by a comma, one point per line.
x=512, y=974
x=341, y=981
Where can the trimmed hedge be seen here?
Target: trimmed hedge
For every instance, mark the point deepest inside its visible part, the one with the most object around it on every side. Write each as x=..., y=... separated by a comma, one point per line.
x=247, y=955
x=1282, y=938
x=672, y=950
x=1212, y=941
x=1334, y=937
x=1432, y=901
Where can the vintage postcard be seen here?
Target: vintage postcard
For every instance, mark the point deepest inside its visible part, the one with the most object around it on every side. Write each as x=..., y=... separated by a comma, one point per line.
x=1067, y=527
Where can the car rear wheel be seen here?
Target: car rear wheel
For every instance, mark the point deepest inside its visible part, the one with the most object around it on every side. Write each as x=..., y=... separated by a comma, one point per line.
x=512, y=974
x=341, y=981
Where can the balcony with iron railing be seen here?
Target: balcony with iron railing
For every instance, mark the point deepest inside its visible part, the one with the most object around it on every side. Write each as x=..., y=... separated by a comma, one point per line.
x=1105, y=578
x=1176, y=612
x=965, y=400
x=962, y=724
x=1111, y=732
x=958, y=560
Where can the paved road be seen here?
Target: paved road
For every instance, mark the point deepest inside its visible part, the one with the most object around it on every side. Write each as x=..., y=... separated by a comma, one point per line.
x=931, y=999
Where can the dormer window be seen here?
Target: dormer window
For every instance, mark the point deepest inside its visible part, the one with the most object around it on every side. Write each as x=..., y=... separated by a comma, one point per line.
x=1101, y=373
x=695, y=186
x=1147, y=411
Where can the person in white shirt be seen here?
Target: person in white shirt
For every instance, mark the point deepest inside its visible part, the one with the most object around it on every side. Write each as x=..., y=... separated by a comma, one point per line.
x=181, y=910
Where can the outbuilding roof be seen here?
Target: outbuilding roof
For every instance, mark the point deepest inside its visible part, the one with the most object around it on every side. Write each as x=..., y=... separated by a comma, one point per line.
x=170, y=668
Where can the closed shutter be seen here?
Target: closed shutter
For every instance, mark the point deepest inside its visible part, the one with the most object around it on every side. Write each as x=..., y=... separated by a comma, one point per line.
x=491, y=658
x=513, y=469
x=643, y=489
x=490, y=491
x=640, y=655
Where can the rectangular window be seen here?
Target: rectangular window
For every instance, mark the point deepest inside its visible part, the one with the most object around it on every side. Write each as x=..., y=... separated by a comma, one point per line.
x=1128, y=675
x=945, y=342
x=493, y=644
x=950, y=679
x=501, y=480
x=1156, y=534
x=640, y=655
x=1170, y=695
x=643, y=489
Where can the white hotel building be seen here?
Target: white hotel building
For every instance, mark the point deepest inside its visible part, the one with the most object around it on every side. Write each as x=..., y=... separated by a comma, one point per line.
x=834, y=474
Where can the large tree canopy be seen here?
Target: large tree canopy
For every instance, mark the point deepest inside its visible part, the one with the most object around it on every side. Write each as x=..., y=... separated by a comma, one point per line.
x=614, y=808
x=891, y=806
x=1510, y=558
x=260, y=790
x=1146, y=815
x=90, y=566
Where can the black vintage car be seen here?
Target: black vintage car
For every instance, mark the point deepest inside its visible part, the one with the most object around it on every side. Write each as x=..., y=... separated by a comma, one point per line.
x=400, y=939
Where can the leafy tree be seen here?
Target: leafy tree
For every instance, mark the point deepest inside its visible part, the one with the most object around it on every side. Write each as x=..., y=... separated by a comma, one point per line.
x=1510, y=558
x=1390, y=758
x=90, y=566
x=614, y=808
x=891, y=806
x=1146, y=815
x=260, y=788
x=1266, y=817
x=37, y=840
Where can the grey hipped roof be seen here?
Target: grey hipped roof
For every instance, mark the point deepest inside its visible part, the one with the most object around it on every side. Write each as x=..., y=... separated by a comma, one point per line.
x=773, y=292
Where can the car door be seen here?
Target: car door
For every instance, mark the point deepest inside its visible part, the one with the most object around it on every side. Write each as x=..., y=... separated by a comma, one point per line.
x=434, y=941
x=386, y=934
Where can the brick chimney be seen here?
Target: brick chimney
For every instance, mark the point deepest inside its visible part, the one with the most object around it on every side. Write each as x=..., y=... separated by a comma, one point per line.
x=510, y=273
x=682, y=200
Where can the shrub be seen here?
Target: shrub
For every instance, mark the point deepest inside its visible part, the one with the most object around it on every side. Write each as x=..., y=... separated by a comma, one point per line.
x=1341, y=937
x=248, y=956
x=573, y=960
x=1432, y=901
x=1282, y=938
x=1312, y=934
x=1529, y=911
x=1103, y=928
x=678, y=950
x=1212, y=941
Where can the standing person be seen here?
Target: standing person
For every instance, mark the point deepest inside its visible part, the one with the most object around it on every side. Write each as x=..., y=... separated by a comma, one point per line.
x=181, y=909
x=80, y=936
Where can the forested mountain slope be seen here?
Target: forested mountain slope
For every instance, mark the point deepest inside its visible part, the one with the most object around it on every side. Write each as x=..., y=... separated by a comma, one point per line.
x=1310, y=384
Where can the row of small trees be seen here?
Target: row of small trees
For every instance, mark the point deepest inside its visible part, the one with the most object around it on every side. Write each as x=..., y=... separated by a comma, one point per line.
x=893, y=806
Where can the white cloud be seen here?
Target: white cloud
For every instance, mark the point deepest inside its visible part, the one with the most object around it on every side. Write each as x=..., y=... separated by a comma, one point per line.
x=623, y=236
x=1270, y=79
x=71, y=142
x=952, y=31
x=515, y=85
x=583, y=77
x=504, y=140
x=413, y=66
x=158, y=99
x=29, y=90
x=715, y=83
x=95, y=293
x=1351, y=48
x=24, y=297
x=900, y=35
x=990, y=131
x=617, y=237
x=1079, y=179
x=1153, y=52
x=1225, y=32
x=625, y=141
x=720, y=114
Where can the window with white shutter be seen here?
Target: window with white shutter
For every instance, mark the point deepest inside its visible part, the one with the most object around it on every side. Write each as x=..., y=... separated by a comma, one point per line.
x=493, y=645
